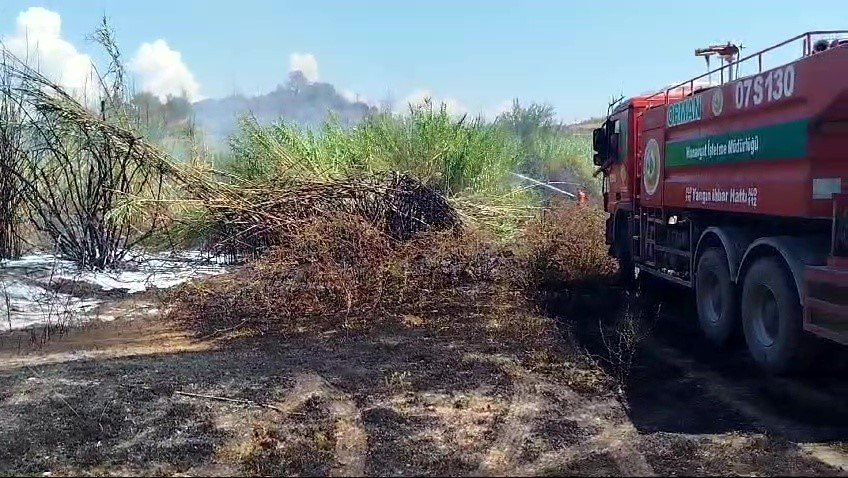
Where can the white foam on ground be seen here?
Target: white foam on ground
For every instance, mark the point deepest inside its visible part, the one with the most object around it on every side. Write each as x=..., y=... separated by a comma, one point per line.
x=26, y=297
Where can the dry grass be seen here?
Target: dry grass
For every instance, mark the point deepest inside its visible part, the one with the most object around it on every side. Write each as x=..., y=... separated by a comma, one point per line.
x=565, y=248
x=344, y=274
x=301, y=448
x=568, y=271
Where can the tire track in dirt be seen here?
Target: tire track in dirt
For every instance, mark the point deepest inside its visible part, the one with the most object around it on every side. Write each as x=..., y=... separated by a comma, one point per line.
x=613, y=438
x=612, y=441
x=527, y=406
x=524, y=408
x=827, y=454
x=748, y=403
x=782, y=406
x=351, y=439
x=741, y=400
x=617, y=438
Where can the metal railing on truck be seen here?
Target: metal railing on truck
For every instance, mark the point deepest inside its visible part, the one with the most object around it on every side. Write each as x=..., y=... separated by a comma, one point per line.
x=807, y=50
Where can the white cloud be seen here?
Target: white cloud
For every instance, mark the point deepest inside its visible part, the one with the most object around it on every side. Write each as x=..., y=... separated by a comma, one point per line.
x=419, y=98
x=306, y=64
x=38, y=41
x=162, y=72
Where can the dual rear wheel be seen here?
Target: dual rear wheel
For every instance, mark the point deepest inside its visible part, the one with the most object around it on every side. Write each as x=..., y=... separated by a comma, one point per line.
x=769, y=306
x=772, y=318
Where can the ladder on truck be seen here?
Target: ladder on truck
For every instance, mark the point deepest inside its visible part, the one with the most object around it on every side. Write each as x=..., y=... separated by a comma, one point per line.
x=648, y=220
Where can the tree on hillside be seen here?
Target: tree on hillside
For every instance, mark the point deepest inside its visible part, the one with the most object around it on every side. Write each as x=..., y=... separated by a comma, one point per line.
x=174, y=110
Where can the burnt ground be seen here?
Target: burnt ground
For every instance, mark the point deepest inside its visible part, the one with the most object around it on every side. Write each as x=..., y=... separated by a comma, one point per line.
x=109, y=399
x=680, y=386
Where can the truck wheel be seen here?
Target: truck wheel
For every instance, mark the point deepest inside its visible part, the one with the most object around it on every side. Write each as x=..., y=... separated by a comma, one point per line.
x=715, y=296
x=772, y=316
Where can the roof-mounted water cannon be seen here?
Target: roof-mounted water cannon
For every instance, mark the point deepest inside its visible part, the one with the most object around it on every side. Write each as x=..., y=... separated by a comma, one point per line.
x=728, y=53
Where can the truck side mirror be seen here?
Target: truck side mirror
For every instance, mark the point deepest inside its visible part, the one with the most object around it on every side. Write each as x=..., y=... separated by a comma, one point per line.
x=598, y=160
x=599, y=141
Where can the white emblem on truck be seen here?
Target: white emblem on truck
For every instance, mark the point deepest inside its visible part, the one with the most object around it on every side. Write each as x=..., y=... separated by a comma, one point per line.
x=718, y=101
x=651, y=174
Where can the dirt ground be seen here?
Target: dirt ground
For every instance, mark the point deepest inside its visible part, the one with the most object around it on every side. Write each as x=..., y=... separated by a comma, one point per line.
x=144, y=397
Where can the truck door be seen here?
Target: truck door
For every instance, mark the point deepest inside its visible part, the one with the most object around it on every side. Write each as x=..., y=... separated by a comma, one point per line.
x=619, y=173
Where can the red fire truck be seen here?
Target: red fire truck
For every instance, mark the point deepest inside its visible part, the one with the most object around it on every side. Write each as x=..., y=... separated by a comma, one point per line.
x=734, y=184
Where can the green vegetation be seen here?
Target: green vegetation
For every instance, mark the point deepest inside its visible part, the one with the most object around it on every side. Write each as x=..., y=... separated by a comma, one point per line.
x=95, y=179
x=469, y=160
x=550, y=150
x=454, y=155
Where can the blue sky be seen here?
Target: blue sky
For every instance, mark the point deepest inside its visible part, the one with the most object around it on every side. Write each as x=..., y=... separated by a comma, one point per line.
x=574, y=55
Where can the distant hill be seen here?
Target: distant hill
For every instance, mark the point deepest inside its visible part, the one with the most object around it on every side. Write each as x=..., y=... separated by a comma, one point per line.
x=307, y=104
x=585, y=126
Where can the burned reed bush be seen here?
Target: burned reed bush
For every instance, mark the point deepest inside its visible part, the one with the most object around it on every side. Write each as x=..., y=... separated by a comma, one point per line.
x=344, y=273
x=358, y=254
x=12, y=157
x=73, y=168
x=245, y=221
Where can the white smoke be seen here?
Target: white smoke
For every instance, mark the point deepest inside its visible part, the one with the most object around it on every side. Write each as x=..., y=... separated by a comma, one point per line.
x=306, y=64
x=37, y=40
x=352, y=97
x=454, y=107
x=348, y=95
x=421, y=97
x=162, y=72
x=416, y=99
x=504, y=107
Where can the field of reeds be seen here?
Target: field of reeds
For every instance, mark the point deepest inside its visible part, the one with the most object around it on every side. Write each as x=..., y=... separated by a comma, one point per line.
x=417, y=213
x=93, y=180
x=91, y=176
x=410, y=221
x=411, y=214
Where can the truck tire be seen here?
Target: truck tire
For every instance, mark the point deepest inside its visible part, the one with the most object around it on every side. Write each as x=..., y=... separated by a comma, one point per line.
x=772, y=317
x=715, y=295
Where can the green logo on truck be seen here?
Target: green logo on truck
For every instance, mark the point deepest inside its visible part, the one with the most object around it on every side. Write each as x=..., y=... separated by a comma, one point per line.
x=684, y=112
x=651, y=176
x=781, y=141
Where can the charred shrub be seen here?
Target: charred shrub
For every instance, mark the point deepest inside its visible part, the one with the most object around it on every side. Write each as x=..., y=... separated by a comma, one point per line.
x=566, y=256
x=343, y=273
